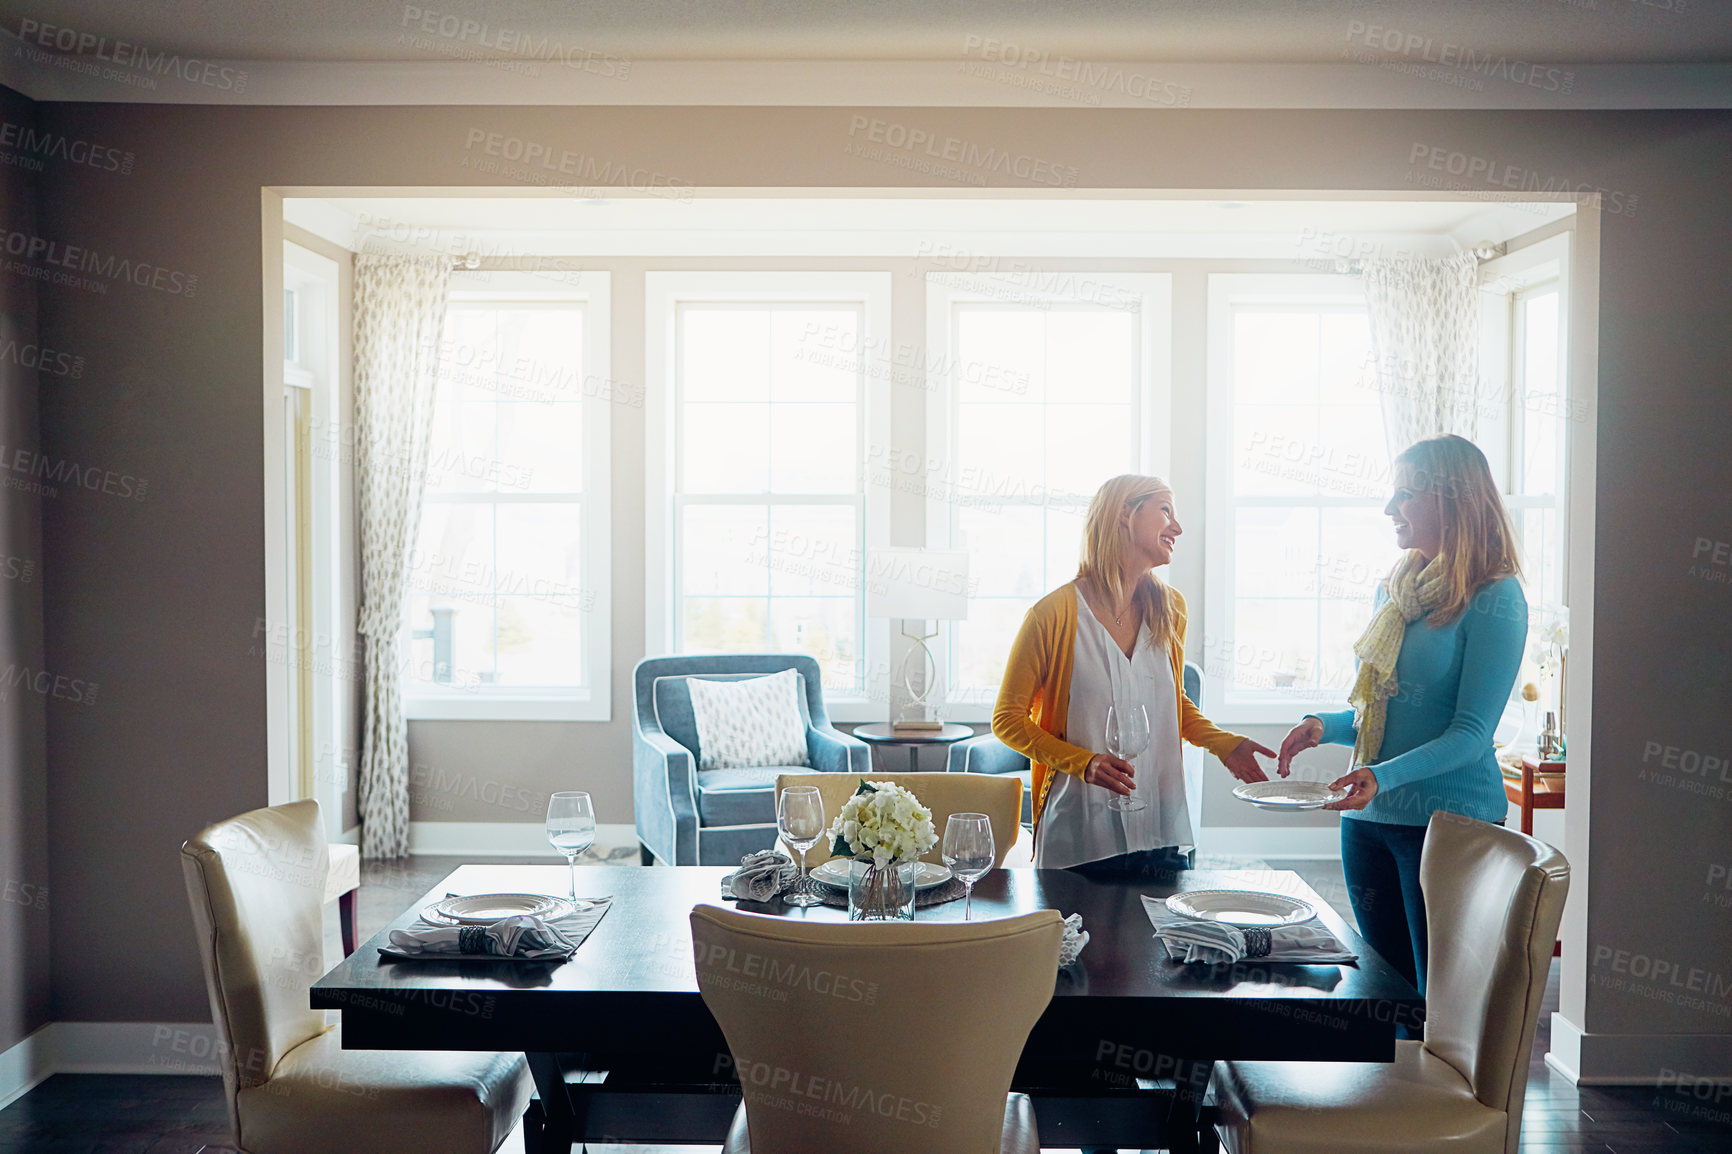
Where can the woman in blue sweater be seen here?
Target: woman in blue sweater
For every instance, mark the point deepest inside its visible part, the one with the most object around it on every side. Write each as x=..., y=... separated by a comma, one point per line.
x=1436, y=665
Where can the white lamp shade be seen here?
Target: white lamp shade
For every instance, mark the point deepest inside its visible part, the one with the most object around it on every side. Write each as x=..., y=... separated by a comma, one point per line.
x=917, y=584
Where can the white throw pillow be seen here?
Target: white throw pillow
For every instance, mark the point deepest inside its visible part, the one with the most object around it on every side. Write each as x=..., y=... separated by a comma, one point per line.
x=749, y=723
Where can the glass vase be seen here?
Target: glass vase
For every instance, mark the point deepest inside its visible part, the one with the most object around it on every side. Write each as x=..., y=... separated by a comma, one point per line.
x=881, y=893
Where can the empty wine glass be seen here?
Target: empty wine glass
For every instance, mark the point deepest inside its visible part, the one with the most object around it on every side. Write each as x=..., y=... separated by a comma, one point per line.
x=800, y=820
x=571, y=828
x=968, y=851
x=1127, y=736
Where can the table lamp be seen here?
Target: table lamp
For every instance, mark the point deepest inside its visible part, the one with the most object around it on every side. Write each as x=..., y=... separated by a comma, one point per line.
x=918, y=585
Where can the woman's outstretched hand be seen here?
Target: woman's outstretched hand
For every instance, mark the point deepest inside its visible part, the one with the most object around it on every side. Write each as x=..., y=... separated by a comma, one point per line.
x=1109, y=772
x=1361, y=783
x=1306, y=735
x=1242, y=762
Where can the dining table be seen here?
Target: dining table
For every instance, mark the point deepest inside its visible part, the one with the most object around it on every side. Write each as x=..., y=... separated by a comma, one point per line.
x=623, y=1049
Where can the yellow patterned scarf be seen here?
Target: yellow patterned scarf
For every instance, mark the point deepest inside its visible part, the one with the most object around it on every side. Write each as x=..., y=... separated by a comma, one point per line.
x=1413, y=592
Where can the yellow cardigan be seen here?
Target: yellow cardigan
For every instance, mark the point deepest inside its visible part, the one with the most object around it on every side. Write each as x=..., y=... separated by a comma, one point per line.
x=1034, y=700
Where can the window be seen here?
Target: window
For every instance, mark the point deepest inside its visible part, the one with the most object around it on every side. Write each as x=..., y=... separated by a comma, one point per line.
x=1041, y=399
x=767, y=420
x=1538, y=412
x=507, y=610
x=1298, y=476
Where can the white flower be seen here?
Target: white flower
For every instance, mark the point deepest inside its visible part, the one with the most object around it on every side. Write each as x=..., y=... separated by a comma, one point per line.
x=887, y=823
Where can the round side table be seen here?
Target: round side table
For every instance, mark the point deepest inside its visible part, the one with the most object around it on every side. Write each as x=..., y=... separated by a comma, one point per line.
x=882, y=733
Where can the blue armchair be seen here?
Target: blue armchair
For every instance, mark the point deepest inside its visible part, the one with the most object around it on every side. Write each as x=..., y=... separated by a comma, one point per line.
x=688, y=816
x=987, y=754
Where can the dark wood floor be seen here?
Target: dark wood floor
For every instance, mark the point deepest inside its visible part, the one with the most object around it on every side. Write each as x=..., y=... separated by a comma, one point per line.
x=162, y=1114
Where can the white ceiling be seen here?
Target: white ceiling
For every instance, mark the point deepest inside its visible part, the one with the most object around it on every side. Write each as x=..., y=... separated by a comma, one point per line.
x=720, y=222
x=1244, y=31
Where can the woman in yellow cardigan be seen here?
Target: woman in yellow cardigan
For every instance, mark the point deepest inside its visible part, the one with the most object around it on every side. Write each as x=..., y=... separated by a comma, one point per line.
x=1113, y=636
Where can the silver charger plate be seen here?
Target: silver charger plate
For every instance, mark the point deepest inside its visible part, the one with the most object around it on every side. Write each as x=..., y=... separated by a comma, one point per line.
x=1252, y=908
x=485, y=909
x=1288, y=794
x=835, y=873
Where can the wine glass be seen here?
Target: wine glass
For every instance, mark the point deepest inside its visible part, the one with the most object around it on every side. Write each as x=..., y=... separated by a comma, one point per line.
x=571, y=828
x=968, y=851
x=800, y=820
x=1127, y=736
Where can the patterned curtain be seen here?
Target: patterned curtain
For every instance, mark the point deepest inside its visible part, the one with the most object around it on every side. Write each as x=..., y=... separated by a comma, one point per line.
x=1425, y=338
x=399, y=318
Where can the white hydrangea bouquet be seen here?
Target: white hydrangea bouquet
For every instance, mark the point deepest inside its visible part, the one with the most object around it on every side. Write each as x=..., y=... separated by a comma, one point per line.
x=884, y=829
x=885, y=822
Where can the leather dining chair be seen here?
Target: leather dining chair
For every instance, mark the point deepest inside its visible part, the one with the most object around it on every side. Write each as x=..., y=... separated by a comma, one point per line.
x=1493, y=899
x=857, y=1038
x=998, y=797
x=257, y=883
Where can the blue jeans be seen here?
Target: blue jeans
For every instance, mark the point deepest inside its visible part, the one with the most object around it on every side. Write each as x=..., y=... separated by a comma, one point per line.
x=1381, y=862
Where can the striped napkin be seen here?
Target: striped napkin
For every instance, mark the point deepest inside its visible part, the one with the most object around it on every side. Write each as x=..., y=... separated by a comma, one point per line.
x=1217, y=944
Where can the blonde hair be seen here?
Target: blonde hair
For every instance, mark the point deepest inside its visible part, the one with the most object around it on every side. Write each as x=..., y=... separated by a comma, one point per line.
x=1479, y=541
x=1106, y=540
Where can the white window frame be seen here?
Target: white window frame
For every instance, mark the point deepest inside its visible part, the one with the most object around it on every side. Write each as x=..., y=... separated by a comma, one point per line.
x=664, y=292
x=1152, y=403
x=594, y=702
x=1225, y=291
x=1506, y=281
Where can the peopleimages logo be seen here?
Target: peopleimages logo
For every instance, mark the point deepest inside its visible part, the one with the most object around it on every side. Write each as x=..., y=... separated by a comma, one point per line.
x=78, y=259
x=53, y=146
x=88, y=49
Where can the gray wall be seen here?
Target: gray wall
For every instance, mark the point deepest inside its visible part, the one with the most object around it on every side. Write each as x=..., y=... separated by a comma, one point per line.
x=155, y=598
x=24, y=876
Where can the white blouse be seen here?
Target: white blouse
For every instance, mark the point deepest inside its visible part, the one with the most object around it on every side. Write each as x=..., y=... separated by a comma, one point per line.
x=1077, y=826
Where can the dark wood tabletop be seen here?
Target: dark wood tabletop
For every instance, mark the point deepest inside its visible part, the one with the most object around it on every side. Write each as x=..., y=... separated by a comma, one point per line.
x=631, y=992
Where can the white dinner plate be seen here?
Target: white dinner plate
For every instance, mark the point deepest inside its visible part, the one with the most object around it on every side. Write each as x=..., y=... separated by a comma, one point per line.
x=485, y=909
x=1241, y=907
x=835, y=873
x=1288, y=794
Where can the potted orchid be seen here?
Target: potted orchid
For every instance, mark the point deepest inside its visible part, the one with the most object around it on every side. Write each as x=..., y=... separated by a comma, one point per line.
x=884, y=829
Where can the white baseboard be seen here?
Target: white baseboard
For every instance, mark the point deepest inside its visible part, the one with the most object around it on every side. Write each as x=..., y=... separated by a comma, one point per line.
x=25, y=1064
x=1304, y=841
x=107, y=1048
x=500, y=838
x=1590, y=1059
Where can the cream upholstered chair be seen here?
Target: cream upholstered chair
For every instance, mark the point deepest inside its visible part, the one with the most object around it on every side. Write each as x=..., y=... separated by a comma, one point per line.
x=856, y=1038
x=999, y=798
x=257, y=886
x=1493, y=899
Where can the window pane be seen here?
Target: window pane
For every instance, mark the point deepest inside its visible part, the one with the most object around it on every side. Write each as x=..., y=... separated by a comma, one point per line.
x=540, y=355
x=999, y=449
x=1091, y=355
x=815, y=355
x=1000, y=353
x=461, y=456
x=983, y=643
x=812, y=552
x=540, y=552
x=1005, y=550
x=1343, y=622
x=1276, y=643
x=1275, y=357
x=813, y=449
x=540, y=643
x=724, y=354
x=1345, y=375
x=724, y=625
x=1087, y=444
x=725, y=550
x=453, y=554
x=1541, y=408
x=1357, y=551
x=1273, y=450
x=1275, y=552
x=823, y=627
x=1064, y=534
x=727, y=448
x=540, y=448
x=471, y=629
x=1352, y=458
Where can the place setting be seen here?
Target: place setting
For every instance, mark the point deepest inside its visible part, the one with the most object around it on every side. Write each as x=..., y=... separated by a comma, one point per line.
x=1224, y=926
x=524, y=927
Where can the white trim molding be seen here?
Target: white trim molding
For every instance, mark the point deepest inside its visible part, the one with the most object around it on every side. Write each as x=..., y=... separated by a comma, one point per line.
x=1589, y=1059
x=107, y=1048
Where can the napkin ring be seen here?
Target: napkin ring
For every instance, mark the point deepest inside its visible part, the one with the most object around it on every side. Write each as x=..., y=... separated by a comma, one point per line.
x=472, y=940
x=1257, y=943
